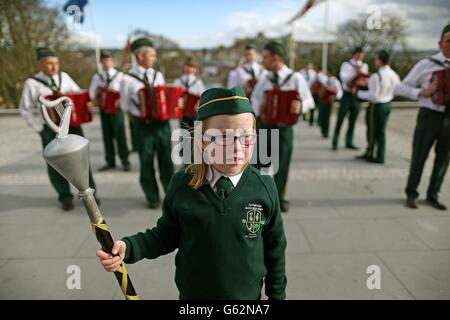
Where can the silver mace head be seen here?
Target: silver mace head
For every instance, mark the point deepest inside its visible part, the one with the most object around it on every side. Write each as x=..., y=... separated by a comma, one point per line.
x=67, y=153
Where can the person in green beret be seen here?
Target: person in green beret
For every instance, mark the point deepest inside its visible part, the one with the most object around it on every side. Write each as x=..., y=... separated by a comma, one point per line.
x=280, y=76
x=153, y=138
x=221, y=214
x=48, y=81
x=113, y=124
x=247, y=74
x=192, y=84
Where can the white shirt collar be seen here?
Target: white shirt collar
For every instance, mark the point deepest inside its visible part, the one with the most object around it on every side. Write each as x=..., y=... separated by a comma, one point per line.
x=141, y=70
x=47, y=78
x=213, y=175
x=111, y=72
x=440, y=56
x=282, y=73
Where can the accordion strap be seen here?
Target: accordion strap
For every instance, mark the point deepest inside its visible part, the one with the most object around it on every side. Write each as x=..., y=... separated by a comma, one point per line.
x=440, y=63
x=110, y=80
x=142, y=80
x=45, y=83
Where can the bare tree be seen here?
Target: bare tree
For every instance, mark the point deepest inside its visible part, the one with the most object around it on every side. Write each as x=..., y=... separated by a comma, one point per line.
x=24, y=26
x=391, y=34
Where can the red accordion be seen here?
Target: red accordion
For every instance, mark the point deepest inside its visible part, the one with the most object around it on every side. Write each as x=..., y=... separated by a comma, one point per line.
x=81, y=112
x=277, y=107
x=327, y=94
x=442, y=95
x=249, y=86
x=360, y=81
x=315, y=87
x=108, y=100
x=161, y=103
x=190, y=105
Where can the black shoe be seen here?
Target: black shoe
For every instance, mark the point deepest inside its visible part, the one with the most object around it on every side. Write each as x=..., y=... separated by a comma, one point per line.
x=284, y=206
x=153, y=205
x=106, y=168
x=334, y=147
x=352, y=147
x=362, y=157
x=126, y=167
x=374, y=160
x=325, y=136
x=67, y=206
x=412, y=203
x=436, y=204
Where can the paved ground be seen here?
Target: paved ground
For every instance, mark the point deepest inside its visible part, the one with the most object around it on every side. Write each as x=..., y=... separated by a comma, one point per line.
x=346, y=215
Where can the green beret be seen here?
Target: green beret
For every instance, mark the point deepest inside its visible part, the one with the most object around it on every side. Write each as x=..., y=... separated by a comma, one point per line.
x=44, y=52
x=105, y=54
x=445, y=30
x=216, y=101
x=190, y=61
x=277, y=48
x=250, y=46
x=141, y=42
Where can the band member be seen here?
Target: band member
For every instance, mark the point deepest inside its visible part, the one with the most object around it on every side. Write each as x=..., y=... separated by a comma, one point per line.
x=223, y=218
x=433, y=124
x=381, y=87
x=330, y=91
x=247, y=74
x=350, y=74
x=47, y=82
x=283, y=78
x=192, y=85
x=104, y=91
x=153, y=136
x=311, y=77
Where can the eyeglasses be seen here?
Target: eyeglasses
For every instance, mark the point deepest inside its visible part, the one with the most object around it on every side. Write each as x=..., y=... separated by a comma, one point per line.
x=226, y=139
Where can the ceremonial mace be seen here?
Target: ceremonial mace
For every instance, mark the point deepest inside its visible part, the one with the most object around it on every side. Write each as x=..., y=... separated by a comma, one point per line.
x=69, y=155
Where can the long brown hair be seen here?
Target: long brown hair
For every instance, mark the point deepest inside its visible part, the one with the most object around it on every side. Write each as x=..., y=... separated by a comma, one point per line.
x=199, y=171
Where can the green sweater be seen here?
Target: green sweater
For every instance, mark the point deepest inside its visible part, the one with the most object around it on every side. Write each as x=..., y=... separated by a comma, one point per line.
x=226, y=248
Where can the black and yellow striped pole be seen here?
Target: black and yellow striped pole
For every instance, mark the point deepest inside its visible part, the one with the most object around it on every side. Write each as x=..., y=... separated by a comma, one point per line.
x=69, y=155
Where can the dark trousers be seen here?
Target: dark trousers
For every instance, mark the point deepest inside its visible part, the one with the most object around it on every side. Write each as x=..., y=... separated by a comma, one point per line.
x=153, y=139
x=58, y=182
x=432, y=128
x=113, y=128
x=377, y=116
x=350, y=105
x=286, y=139
x=134, y=146
x=324, y=117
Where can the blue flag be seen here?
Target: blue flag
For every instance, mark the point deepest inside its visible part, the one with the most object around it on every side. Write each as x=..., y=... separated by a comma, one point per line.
x=75, y=9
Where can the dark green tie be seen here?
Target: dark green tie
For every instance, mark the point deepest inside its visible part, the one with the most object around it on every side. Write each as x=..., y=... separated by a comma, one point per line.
x=224, y=187
x=53, y=84
x=108, y=78
x=275, y=79
x=146, y=79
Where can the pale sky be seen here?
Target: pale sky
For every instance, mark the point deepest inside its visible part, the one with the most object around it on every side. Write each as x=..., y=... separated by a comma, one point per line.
x=198, y=24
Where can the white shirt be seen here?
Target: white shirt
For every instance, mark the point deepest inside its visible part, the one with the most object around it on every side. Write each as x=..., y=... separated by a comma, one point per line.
x=196, y=86
x=32, y=89
x=418, y=78
x=310, y=76
x=381, y=86
x=296, y=82
x=97, y=81
x=130, y=86
x=241, y=76
x=331, y=82
x=213, y=176
x=348, y=72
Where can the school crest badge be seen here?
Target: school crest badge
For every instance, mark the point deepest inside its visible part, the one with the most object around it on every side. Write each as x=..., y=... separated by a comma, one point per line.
x=253, y=220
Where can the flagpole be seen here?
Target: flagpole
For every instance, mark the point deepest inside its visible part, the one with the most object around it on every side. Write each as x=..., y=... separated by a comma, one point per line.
x=325, y=40
x=96, y=47
x=292, y=47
